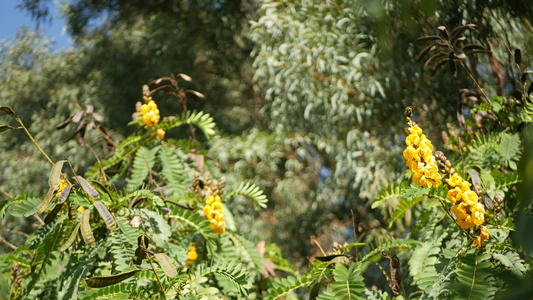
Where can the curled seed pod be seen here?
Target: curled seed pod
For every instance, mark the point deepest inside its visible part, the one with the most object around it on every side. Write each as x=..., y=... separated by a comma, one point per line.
x=142, y=241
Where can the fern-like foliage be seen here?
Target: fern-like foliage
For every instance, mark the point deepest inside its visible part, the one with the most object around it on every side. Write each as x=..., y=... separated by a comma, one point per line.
x=174, y=171
x=510, y=260
x=232, y=270
x=23, y=205
x=121, y=249
x=142, y=164
x=422, y=262
x=123, y=149
x=252, y=192
x=200, y=119
x=246, y=249
x=397, y=243
x=403, y=206
x=284, y=286
x=150, y=196
x=394, y=190
x=473, y=273
x=348, y=283
x=189, y=219
x=117, y=291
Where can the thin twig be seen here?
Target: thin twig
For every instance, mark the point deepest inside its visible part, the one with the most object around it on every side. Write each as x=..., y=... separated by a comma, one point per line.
x=355, y=236
x=39, y=219
x=18, y=232
x=6, y=193
x=157, y=277
x=8, y=244
x=33, y=140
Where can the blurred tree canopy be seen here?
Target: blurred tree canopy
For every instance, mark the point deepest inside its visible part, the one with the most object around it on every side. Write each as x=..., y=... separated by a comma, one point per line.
x=308, y=95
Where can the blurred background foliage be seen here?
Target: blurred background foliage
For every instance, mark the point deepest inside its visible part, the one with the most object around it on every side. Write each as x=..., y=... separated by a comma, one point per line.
x=308, y=96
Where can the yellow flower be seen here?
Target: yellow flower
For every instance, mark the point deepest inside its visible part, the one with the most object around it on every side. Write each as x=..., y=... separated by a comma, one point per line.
x=483, y=234
x=478, y=242
x=464, y=219
x=478, y=214
x=150, y=113
x=469, y=197
x=415, y=130
x=410, y=154
x=213, y=213
x=455, y=180
x=465, y=186
x=412, y=140
x=455, y=194
x=160, y=133
x=80, y=209
x=192, y=256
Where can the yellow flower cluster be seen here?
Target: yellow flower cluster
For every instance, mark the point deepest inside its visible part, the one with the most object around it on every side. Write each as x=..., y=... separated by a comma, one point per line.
x=467, y=209
x=483, y=234
x=419, y=158
x=149, y=112
x=191, y=255
x=213, y=213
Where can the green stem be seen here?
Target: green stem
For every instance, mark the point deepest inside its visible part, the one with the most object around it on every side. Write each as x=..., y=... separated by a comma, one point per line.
x=450, y=216
x=157, y=277
x=33, y=140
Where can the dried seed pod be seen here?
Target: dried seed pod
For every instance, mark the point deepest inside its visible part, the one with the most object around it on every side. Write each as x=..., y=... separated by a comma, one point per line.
x=478, y=190
x=395, y=272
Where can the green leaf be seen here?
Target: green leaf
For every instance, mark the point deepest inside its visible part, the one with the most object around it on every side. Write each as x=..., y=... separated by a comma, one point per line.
x=252, y=192
x=200, y=119
x=403, y=206
x=473, y=275
x=394, y=190
x=174, y=170
x=282, y=287
x=142, y=164
x=26, y=207
x=247, y=249
x=509, y=148
x=397, y=243
x=348, y=282
x=232, y=270
x=422, y=262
